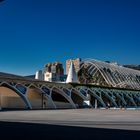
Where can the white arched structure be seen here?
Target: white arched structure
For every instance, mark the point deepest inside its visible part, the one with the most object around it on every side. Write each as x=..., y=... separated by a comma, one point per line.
x=74, y=95
x=17, y=91
x=108, y=74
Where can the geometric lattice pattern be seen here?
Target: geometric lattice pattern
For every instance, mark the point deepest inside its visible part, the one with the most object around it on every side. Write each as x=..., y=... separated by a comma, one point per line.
x=108, y=74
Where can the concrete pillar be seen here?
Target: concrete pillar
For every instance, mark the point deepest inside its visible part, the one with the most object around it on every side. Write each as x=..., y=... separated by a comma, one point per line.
x=96, y=104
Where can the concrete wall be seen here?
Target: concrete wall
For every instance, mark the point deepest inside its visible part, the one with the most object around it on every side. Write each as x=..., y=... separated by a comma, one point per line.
x=10, y=99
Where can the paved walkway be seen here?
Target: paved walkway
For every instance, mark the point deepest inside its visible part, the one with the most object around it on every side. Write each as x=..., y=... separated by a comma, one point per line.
x=111, y=119
x=83, y=124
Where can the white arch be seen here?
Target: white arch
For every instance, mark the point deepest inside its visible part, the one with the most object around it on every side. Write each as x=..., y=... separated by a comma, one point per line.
x=59, y=91
x=126, y=78
x=23, y=97
x=108, y=96
x=49, y=98
x=92, y=92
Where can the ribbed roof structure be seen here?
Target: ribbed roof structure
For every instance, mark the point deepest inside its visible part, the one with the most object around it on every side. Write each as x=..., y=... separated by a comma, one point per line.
x=108, y=74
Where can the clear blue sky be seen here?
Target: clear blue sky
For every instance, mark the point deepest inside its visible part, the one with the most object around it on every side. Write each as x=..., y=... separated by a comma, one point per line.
x=35, y=32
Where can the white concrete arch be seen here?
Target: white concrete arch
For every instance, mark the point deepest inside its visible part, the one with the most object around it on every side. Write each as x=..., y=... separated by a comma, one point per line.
x=62, y=93
x=129, y=98
x=113, y=74
x=18, y=84
x=106, y=93
x=23, y=97
x=78, y=93
x=102, y=73
x=45, y=95
x=93, y=93
x=120, y=96
x=49, y=97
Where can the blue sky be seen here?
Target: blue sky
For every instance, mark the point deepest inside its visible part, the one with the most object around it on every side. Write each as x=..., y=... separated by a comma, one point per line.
x=35, y=32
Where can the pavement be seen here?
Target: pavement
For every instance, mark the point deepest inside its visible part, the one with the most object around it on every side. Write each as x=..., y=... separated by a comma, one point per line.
x=73, y=124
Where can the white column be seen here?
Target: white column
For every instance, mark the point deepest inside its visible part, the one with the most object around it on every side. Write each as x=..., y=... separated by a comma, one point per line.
x=96, y=104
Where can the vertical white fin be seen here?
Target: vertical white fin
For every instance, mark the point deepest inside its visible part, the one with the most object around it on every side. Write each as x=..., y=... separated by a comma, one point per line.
x=72, y=76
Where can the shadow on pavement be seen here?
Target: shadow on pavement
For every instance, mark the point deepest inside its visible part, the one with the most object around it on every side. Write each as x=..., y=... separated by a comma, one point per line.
x=14, y=130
